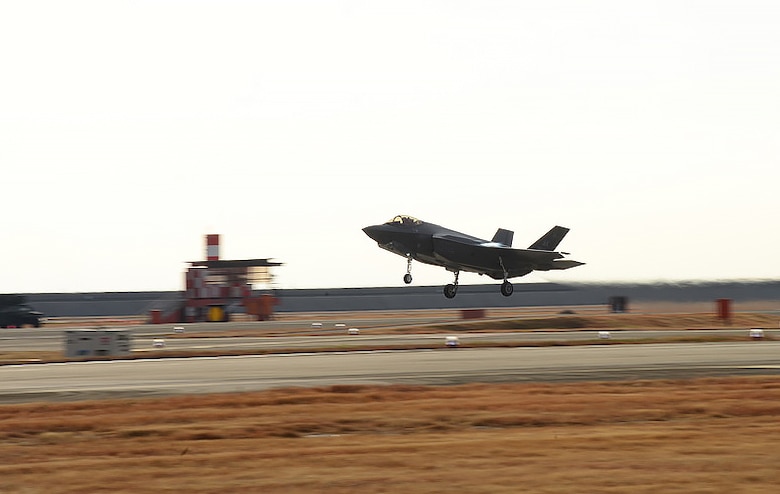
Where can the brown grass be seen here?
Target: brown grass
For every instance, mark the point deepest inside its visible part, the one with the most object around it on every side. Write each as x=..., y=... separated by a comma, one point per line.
x=618, y=321
x=692, y=436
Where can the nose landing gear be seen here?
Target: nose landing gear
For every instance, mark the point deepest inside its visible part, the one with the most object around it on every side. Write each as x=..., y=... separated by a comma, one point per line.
x=408, y=275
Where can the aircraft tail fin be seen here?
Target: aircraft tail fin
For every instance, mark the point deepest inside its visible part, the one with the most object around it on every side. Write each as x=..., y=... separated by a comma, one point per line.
x=551, y=239
x=504, y=237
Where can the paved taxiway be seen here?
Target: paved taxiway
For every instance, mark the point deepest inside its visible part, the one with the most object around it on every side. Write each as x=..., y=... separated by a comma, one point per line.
x=293, y=335
x=78, y=380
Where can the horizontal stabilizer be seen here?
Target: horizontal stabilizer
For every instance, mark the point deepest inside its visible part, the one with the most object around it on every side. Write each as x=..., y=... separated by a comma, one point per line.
x=566, y=264
x=504, y=237
x=551, y=239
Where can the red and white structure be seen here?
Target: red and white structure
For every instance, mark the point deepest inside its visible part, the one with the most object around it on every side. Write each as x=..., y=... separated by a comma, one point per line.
x=199, y=286
x=212, y=247
x=214, y=284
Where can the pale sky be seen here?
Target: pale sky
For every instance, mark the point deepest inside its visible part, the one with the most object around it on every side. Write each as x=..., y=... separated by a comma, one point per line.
x=130, y=129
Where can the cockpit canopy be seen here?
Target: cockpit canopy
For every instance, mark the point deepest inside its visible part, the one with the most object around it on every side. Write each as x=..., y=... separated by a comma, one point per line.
x=404, y=220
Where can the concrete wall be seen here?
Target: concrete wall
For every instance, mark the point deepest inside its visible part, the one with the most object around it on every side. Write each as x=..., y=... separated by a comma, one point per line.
x=417, y=297
x=107, y=304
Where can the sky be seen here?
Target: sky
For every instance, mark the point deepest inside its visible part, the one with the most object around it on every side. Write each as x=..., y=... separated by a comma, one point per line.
x=131, y=129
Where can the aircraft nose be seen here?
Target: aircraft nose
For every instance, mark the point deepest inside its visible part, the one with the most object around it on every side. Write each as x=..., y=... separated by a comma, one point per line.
x=372, y=231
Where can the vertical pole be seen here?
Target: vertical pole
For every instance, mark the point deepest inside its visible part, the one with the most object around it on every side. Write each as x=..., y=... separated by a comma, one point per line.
x=724, y=309
x=212, y=247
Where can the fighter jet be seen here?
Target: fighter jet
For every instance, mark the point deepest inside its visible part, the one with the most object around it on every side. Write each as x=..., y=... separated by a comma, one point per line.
x=433, y=244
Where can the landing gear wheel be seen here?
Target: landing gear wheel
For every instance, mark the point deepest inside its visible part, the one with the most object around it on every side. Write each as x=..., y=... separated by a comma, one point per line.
x=407, y=278
x=450, y=290
x=507, y=289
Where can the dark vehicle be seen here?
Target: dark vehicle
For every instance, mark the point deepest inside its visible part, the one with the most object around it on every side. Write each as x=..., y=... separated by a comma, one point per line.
x=14, y=312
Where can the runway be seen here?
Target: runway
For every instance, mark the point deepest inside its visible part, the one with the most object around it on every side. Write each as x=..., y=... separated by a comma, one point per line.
x=155, y=377
x=144, y=342
x=331, y=333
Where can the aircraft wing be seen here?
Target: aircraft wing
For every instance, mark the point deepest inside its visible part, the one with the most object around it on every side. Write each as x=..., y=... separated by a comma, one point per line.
x=492, y=259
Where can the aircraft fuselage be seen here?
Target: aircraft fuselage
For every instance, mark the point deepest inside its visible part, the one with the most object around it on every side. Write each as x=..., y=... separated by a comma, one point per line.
x=433, y=244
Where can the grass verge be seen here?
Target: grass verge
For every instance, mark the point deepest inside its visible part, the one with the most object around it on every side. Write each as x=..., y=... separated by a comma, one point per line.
x=689, y=436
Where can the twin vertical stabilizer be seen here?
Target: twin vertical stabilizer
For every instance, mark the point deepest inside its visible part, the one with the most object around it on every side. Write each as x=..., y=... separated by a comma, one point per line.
x=504, y=237
x=551, y=239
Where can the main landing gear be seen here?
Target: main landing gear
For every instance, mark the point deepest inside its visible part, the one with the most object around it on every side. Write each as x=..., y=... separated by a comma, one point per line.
x=506, y=286
x=452, y=289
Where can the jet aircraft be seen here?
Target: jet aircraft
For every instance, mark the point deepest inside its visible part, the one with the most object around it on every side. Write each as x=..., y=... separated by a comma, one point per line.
x=433, y=244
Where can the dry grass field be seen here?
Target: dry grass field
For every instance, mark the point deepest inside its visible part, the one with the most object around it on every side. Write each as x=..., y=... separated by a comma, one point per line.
x=611, y=322
x=714, y=435
x=692, y=436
